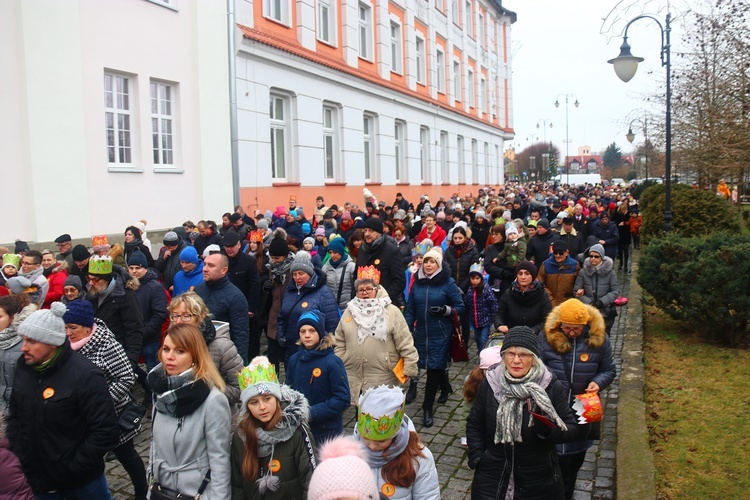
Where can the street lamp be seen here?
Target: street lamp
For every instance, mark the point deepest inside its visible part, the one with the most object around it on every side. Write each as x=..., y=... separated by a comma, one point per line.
x=626, y=64
x=543, y=126
x=630, y=136
x=567, y=140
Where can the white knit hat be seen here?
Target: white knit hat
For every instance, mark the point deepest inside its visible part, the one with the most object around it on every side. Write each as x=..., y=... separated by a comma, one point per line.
x=45, y=326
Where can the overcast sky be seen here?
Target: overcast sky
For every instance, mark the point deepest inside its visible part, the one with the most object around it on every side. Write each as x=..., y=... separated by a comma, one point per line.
x=558, y=49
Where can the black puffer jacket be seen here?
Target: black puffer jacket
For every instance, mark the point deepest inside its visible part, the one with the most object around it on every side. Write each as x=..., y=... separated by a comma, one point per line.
x=153, y=301
x=529, y=308
x=533, y=462
x=61, y=438
x=121, y=312
x=460, y=262
x=540, y=247
x=385, y=257
x=500, y=273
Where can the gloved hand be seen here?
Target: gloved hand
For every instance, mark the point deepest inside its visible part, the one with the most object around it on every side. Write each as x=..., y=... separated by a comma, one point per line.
x=440, y=310
x=267, y=285
x=281, y=341
x=598, y=304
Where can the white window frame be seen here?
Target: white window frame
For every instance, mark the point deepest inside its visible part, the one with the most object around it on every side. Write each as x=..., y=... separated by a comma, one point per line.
x=326, y=26
x=162, y=122
x=421, y=59
x=457, y=80
x=468, y=12
x=461, y=159
x=364, y=17
x=118, y=118
x=424, y=153
x=277, y=11
x=440, y=67
x=481, y=30
x=280, y=127
x=369, y=135
x=397, y=48
x=331, y=156
x=456, y=12
x=444, y=159
x=486, y=163
x=474, y=161
x=399, y=147
x=470, y=88
x=482, y=105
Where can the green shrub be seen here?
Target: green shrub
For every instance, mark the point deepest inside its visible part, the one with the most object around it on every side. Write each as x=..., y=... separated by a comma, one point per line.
x=701, y=280
x=695, y=212
x=638, y=190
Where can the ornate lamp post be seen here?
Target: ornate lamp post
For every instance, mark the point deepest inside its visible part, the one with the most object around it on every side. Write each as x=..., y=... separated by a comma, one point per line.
x=630, y=136
x=626, y=64
x=567, y=139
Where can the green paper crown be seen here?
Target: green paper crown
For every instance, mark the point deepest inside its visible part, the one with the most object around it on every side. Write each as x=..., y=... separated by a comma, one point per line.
x=379, y=429
x=259, y=370
x=12, y=259
x=100, y=265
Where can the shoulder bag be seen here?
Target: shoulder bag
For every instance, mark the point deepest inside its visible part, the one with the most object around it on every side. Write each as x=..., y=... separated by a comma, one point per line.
x=458, y=347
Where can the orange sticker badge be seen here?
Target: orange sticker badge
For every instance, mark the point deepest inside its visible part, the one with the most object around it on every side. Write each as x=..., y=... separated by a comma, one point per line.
x=48, y=393
x=317, y=372
x=584, y=357
x=388, y=489
x=304, y=304
x=377, y=263
x=349, y=319
x=274, y=466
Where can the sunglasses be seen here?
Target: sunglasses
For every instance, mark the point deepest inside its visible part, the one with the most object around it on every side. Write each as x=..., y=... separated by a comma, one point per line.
x=558, y=252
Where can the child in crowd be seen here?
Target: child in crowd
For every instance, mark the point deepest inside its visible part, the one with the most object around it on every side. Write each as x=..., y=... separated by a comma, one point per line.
x=515, y=247
x=636, y=220
x=481, y=305
x=319, y=374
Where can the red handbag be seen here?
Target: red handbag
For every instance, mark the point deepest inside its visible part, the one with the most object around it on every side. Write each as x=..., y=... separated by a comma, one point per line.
x=458, y=348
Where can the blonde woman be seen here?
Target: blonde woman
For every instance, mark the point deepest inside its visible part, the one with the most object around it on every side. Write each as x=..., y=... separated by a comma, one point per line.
x=192, y=422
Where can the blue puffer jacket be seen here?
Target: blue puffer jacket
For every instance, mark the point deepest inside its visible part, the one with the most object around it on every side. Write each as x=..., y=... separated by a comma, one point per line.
x=432, y=334
x=186, y=282
x=577, y=362
x=314, y=295
x=486, y=306
x=320, y=375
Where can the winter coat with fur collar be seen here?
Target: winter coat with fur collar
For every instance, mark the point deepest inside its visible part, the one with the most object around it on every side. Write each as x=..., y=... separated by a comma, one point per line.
x=598, y=283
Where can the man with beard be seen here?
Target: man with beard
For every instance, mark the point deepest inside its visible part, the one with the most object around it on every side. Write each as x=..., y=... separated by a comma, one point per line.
x=381, y=252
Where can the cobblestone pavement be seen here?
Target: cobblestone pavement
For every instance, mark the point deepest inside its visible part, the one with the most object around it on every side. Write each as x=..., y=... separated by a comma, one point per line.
x=596, y=479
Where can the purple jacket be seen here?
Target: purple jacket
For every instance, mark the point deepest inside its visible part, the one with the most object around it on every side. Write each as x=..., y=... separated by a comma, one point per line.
x=14, y=483
x=483, y=312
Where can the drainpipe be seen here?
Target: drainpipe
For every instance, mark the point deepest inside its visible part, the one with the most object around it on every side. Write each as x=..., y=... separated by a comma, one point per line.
x=233, y=104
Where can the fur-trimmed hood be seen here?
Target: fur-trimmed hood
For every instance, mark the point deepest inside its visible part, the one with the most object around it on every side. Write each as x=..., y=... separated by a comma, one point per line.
x=594, y=333
x=605, y=267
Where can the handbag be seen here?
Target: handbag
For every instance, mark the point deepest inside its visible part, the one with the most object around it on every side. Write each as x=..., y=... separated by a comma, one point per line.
x=458, y=348
x=131, y=416
x=159, y=492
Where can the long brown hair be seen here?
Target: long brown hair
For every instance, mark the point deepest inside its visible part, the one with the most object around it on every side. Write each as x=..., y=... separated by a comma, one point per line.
x=471, y=384
x=400, y=471
x=189, y=338
x=248, y=425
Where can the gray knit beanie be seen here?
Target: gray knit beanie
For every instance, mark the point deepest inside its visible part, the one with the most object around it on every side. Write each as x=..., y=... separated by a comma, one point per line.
x=45, y=326
x=302, y=263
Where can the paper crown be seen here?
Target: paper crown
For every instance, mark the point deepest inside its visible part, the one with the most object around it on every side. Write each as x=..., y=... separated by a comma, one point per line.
x=380, y=413
x=476, y=268
x=258, y=371
x=368, y=273
x=100, y=265
x=12, y=259
x=255, y=236
x=421, y=249
x=588, y=408
x=99, y=240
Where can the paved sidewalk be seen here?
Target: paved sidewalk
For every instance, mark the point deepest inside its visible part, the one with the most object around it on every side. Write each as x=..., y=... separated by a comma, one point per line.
x=596, y=480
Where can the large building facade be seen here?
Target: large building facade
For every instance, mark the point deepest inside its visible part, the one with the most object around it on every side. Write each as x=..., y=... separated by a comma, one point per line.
x=396, y=95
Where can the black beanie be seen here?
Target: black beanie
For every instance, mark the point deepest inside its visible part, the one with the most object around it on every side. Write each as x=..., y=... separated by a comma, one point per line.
x=80, y=253
x=278, y=248
x=375, y=224
x=521, y=336
x=528, y=266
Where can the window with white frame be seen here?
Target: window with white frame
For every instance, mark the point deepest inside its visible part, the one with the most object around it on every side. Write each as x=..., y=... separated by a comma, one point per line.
x=396, y=47
x=365, y=31
x=457, y=80
x=117, y=118
x=497, y=164
x=461, y=160
x=368, y=137
x=279, y=123
x=444, y=170
x=480, y=30
x=486, y=163
x=474, y=162
x=424, y=153
x=469, y=22
x=482, y=95
x=399, y=140
x=327, y=21
x=456, y=12
x=277, y=10
x=161, y=123
x=420, y=57
x=440, y=66
x=330, y=142
x=470, y=89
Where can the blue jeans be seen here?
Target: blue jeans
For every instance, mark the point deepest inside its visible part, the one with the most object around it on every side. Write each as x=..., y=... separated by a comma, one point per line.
x=149, y=355
x=481, y=335
x=95, y=489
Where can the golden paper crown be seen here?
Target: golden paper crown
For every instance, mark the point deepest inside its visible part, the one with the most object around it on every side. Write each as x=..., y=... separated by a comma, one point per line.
x=368, y=273
x=100, y=265
x=256, y=236
x=99, y=240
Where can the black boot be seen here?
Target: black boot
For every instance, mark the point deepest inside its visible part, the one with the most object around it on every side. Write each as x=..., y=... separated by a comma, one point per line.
x=411, y=394
x=444, y=394
x=427, y=417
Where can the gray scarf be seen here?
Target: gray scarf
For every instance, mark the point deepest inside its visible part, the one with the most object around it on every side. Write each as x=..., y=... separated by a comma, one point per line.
x=378, y=459
x=8, y=338
x=511, y=394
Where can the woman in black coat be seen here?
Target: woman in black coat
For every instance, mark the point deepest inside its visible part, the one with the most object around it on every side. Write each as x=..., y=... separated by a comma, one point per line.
x=525, y=303
x=621, y=218
x=501, y=275
x=511, y=450
x=134, y=243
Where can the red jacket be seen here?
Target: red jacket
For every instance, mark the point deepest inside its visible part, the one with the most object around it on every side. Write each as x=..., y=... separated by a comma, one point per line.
x=56, y=282
x=437, y=236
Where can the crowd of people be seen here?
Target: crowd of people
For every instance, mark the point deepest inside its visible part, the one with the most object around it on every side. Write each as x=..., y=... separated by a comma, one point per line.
x=349, y=307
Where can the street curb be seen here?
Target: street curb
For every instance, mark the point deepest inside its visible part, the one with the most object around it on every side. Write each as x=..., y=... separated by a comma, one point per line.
x=635, y=462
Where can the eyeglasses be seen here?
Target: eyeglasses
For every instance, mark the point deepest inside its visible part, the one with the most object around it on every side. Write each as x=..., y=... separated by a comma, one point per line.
x=595, y=256
x=26, y=264
x=558, y=252
x=92, y=279
x=572, y=328
x=523, y=356
x=181, y=317
x=366, y=290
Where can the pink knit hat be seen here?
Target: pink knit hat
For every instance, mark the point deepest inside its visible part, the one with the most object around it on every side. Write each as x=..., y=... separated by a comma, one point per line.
x=489, y=357
x=342, y=472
